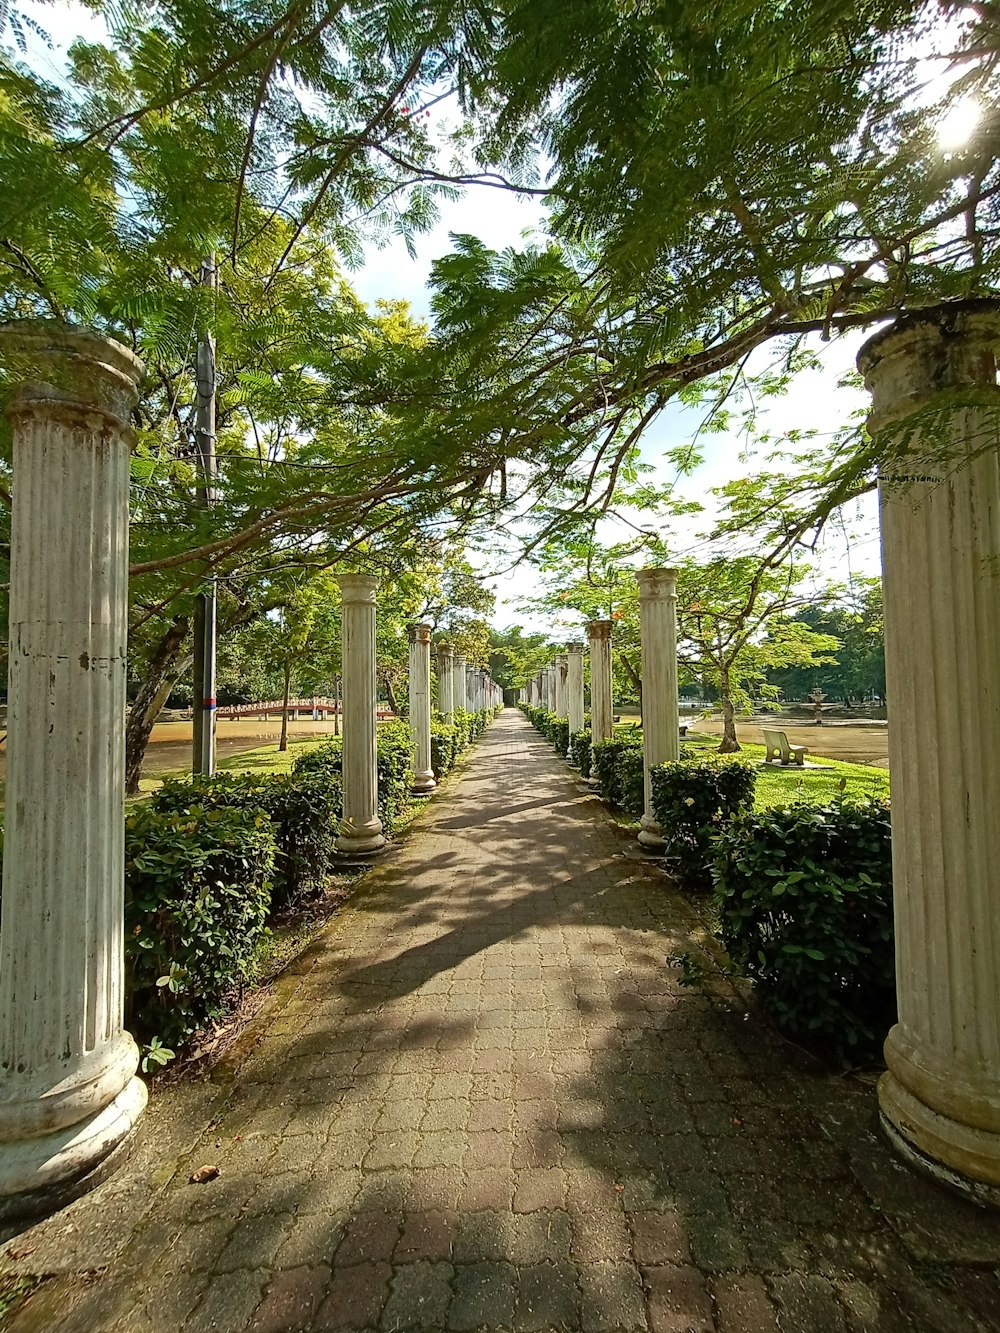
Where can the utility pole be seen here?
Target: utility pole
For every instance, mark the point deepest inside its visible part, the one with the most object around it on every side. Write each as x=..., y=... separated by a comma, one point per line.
x=203, y=748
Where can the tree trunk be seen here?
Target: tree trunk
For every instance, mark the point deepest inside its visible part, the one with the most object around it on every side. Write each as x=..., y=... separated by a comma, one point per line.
x=283, y=743
x=390, y=694
x=166, y=666
x=729, y=744
x=632, y=674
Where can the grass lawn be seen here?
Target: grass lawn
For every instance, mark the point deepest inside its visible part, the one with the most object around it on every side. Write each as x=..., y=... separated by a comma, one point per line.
x=818, y=786
x=264, y=759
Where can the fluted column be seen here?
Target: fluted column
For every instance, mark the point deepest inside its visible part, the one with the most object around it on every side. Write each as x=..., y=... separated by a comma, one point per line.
x=660, y=716
x=360, y=827
x=459, y=697
x=560, y=685
x=446, y=681
x=601, y=704
x=574, y=688
x=420, y=707
x=939, y=494
x=69, y=1095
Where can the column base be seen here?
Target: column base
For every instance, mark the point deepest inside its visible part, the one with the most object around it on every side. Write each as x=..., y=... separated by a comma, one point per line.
x=960, y=1156
x=423, y=784
x=42, y=1174
x=650, y=834
x=360, y=843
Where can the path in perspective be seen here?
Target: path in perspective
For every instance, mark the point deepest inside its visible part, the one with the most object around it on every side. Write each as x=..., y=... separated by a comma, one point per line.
x=486, y=1102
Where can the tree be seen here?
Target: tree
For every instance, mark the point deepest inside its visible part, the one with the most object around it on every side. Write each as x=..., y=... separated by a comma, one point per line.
x=854, y=618
x=735, y=624
x=515, y=656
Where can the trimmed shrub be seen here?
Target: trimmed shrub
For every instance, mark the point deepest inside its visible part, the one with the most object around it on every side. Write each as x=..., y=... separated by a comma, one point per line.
x=691, y=801
x=328, y=757
x=617, y=765
x=395, y=771
x=304, y=808
x=444, y=738
x=197, y=891
x=579, y=749
x=805, y=894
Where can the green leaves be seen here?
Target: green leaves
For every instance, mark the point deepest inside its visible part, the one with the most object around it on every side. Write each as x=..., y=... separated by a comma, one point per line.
x=805, y=899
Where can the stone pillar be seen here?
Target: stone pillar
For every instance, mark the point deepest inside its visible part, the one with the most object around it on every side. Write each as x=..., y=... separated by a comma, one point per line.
x=574, y=687
x=420, y=707
x=446, y=682
x=550, y=688
x=459, y=697
x=601, y=702
x=360, y=828
x=939, y=494
x=660, y=716
x=69, y=1095
x=559, y=678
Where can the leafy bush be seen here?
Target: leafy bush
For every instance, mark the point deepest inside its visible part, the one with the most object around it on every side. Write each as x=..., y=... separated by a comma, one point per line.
x=304, y=807
x=691, y=801
x=617, y=765
x=394, y=761
x=197, y=891
x=444, y=738
x=328, y=757
x=806, y=910
x=394, y=765
x=579, y=749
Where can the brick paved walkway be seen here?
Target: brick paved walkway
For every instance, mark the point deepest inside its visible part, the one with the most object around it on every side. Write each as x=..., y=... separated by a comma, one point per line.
x=488, y=1104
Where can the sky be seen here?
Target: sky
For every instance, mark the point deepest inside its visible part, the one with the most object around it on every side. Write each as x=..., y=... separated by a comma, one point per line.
x=850, y=546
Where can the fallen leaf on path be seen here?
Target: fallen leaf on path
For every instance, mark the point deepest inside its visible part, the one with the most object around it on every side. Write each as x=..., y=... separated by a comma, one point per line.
x=203, y=1175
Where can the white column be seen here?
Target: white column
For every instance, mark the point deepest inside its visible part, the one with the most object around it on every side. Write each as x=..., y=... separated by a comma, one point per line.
x=69, y=1096
x=360, y=827
x=459, y=696
x=601, y=704
x=940, y=514
x=660, y=715
x=574, y=688
x=560, y=685
x=420, y=707
x=446, y=683
x=549, y=686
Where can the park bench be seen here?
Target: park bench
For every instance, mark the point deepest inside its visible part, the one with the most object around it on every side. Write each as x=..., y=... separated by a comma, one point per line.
x=779, y=750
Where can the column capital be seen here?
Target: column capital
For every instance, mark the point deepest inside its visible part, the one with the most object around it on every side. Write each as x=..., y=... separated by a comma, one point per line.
x=929, y=353
x=67, y=371
x=358, y=588
x=420, y=633
x=655, y=583
x=444, y=648
x=599, y=629
x=575, y=648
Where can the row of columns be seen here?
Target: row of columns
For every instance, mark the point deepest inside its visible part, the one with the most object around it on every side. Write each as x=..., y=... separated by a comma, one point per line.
x=459, y=687
x=69, y=1097
x=562, y=683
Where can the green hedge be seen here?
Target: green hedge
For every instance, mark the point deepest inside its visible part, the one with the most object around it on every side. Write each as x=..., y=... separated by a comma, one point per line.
x=393, y=761
x=805, y=895
x=579, y=751
x=197, y=891
x=304, y=808
x=444, y=746
x=692, y=800
x=617, y=765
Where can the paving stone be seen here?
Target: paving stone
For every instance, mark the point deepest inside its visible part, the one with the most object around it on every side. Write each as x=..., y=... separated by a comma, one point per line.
x=419, y=1296
x=743, y=1305
x=290, y=1300
x=611, y=1299
x=547, y=1297
x=354, y=1299
x=227, y=1303
x=678, y=1300
x=484, y=1296
x=427, y=1236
